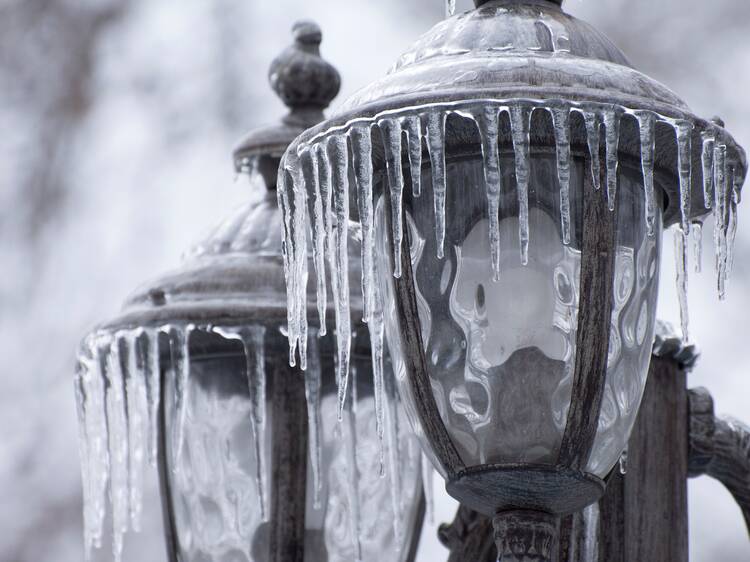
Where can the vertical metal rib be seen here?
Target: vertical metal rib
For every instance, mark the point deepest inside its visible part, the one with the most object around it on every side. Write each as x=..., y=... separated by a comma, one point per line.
x=592, y=338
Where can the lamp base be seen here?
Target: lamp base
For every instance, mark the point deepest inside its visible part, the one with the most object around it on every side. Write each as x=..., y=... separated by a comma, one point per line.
x=525, y=536
x=500, y=487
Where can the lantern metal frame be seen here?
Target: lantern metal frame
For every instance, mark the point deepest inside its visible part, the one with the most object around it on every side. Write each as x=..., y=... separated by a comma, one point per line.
x=546, y=60
x=227, y=287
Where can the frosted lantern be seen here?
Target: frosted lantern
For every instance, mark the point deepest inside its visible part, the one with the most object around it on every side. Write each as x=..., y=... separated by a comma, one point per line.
x=512, y=175
x=194, y=376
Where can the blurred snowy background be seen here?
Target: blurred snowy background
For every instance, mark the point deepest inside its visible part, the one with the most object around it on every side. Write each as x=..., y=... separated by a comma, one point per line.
x=117, y=118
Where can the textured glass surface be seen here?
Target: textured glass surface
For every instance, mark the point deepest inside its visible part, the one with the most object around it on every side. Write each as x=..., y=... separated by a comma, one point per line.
x=215, y=496
x=500, y=353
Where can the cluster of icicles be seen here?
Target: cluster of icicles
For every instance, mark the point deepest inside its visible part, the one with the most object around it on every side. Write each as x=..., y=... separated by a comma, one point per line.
x=321, y=167
x=119, y=390
x=118, y=393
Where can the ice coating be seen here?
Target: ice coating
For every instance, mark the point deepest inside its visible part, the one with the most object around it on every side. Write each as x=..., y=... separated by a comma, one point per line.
x=429, y=122
x=520, y=117
x=697, y=237
x=612, y=139
x=487, y=120
x=561, y=121
x=684, y=168
x=646, y=125
x=428, y=486
x=435, y=125
x=253, y=344
x=681, y=267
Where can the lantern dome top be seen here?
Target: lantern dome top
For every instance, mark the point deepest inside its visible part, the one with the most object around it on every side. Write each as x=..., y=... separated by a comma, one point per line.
x=307, y=84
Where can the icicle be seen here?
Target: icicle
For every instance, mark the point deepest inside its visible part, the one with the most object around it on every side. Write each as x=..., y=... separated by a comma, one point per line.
x=428, y=486
x=362, y=162
x=487, y=119
x=624, y=462
x=736, y=186
x=180, y=358
x=340, y=267
x=312, y=397
x=593, y=127
x=707, y=159
x=118, y=443
x=253, y=345
x=450, y=7
x=136, y=407
x=287, y=252
x=352, y=481
x=300, y=262
x=326, y=194
x=561, y=121
x=720, y=215
x=312, y=178
x=680, y=255
x=612, y=138
x=150, y=367
x=435, y=123
x=413, y=127
x=90, y=392
x=520, y=120
x=376, y=330
x=646, y=123
x=394, y=461
x=684, y=166
x=390, y=130
x=697, y=232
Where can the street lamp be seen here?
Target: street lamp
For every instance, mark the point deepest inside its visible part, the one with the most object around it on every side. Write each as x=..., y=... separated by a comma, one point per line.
x=194, y=375
x=512, y=176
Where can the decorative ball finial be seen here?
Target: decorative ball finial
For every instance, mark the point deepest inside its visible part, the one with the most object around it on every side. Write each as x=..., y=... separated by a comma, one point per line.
x=300, y=76
x=306, y=84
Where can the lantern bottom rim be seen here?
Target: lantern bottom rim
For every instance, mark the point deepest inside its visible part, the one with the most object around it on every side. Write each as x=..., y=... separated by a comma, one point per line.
x=491, y=488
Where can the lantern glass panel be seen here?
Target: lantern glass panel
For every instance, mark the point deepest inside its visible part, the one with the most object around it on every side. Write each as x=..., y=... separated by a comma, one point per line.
x=500, y=353
x=214, y=492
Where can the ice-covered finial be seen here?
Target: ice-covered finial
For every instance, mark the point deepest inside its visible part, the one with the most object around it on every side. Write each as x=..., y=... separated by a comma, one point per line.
x=306, y=84
x=301, y=78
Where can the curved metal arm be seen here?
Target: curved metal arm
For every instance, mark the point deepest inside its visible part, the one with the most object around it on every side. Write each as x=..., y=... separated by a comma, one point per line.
x=469, y=537
x=720, y=448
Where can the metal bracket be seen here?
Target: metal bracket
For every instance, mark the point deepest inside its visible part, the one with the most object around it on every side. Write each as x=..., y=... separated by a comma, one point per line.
x=720, y=448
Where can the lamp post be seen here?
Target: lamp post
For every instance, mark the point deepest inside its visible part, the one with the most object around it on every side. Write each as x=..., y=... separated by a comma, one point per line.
x=512, y=176
x=253, y=463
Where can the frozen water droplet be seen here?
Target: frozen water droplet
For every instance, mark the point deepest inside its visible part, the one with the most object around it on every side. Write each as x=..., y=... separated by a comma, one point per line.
x=179, y=347
x=684, y=165
x=309, y=159
x=681, y=262
x=340, y=267
x=561, y=121
x=612, y=138
x=435, y=124
x=624, y=462
x=707, y=160
x=593, y=132
x=647, y=122
x=362, y=162
x=520, y=117
x=312, y=396
x=413, y=127
x=487, y=120
x=390, y=130
x=720, y=215
x=697, y=232
x=428, y=486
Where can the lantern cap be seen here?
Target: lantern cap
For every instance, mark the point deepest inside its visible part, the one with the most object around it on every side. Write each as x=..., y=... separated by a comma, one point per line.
x=234, y=276
x=531, y=52
x=307, y=84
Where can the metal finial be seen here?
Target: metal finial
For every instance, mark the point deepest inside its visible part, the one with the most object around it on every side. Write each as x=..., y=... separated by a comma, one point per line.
x=306, y=84
x=300, y=77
